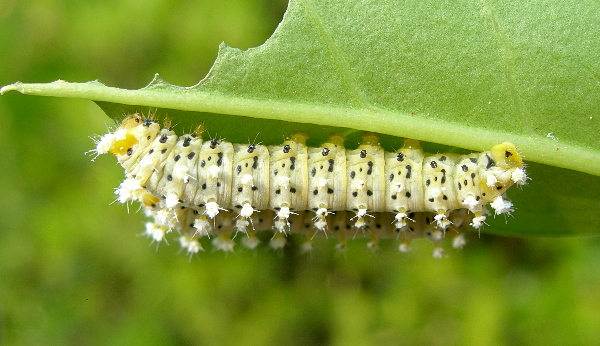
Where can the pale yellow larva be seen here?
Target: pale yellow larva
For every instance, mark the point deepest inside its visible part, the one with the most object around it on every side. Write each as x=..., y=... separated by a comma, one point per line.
x=216, y=188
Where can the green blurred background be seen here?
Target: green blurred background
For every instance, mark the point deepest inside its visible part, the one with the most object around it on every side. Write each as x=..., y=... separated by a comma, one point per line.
x=74, y=271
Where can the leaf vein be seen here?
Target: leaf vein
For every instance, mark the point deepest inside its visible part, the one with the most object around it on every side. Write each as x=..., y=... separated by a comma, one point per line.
x=337, y=56
x=509, y=66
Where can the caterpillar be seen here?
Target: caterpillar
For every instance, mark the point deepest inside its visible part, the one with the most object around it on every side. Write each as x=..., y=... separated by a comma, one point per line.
x=213, y=188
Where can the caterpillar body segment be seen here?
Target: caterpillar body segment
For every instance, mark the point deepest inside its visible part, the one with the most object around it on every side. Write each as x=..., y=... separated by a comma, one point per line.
x=366, y=182
x=288, y=179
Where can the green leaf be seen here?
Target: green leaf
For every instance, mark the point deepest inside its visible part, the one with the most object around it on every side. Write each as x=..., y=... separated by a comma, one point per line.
x=467, y=74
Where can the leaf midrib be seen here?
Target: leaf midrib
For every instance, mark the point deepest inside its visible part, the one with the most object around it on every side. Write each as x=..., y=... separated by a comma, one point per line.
x=533, y=148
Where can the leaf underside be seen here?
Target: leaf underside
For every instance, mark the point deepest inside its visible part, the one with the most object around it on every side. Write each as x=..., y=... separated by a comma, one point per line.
x=466, y=75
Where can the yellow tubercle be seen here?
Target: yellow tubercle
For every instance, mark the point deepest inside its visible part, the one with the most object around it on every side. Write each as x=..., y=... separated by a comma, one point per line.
x=199, y=130
x=300, y=138
x=370, y=139
x=411, y=144
x=131, y=121
x=149, y=200
x=337, y=139
x=167, y=122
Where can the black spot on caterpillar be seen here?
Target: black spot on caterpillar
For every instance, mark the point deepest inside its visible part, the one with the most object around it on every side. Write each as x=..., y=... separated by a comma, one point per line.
x=224, y=188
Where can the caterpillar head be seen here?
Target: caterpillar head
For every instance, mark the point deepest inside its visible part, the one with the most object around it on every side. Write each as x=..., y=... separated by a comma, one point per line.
x=505, y=155
x=507, y=170
x=134, y=131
